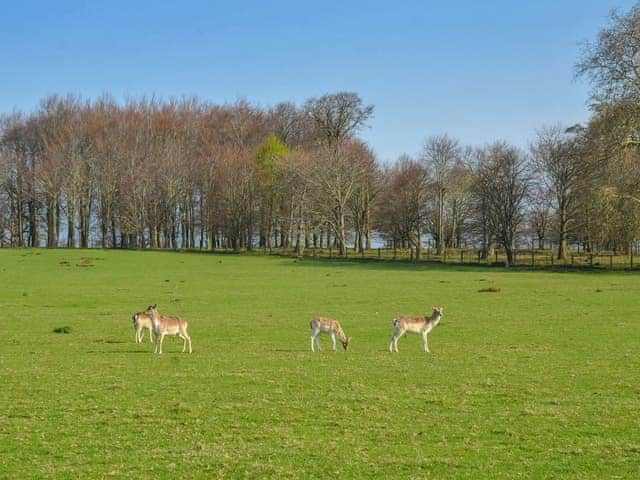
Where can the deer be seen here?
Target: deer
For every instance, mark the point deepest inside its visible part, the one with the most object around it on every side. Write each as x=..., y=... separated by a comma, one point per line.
x=420, y=325
x=332, y=327
x=163, y=326
x=142, y=322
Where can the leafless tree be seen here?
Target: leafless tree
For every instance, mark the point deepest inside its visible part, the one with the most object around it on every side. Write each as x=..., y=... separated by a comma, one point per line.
x=402, y=207
x=504, y=184
x=337, y=116
x=612, y=63
x=556, y=158
x=439, y=154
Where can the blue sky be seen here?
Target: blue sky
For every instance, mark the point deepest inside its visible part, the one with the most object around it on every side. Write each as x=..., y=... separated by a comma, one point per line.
x=480, y=71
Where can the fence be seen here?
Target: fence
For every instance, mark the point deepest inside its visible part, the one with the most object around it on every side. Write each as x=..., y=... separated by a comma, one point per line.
x=522, y=258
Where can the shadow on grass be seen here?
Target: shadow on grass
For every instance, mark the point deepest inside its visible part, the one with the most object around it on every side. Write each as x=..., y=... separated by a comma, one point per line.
x=406, y=265
x=387, y=264
x=147, y=352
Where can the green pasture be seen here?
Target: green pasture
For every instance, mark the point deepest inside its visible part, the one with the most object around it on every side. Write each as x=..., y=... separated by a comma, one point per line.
x=539, y=379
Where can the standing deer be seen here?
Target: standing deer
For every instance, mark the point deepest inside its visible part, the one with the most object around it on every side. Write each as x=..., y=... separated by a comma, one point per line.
x=332, y=327
x=420, y=325
x=163, y=326
x=142, y=322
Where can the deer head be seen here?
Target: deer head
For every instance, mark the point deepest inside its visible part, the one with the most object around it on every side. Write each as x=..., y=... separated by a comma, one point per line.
x=436, y=313
x=152, y=310
x=345, y=343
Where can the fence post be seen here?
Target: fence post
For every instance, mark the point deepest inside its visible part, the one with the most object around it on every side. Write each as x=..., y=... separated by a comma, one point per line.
x=330, y=252
x=378, y=252
x=445, y=256
x=461, y=256
x=479, y=255
x=552, y=259
x=591, y=260
x=496, y=252
x=533, y=256
x=631, y=257
x=611, y=261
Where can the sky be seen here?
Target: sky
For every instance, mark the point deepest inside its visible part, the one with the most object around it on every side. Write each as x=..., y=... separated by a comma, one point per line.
x=479, y=71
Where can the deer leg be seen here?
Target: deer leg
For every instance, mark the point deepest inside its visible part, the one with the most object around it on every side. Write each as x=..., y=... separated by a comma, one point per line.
x=185, y=338
x=150, y=335
x=160, y=343
x=314, y=335
x=318, y=343
x=395, y=342
x=333, y=341
x=424, y=342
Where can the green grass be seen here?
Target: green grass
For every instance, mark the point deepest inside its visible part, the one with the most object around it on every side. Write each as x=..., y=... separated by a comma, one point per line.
x=540, y=379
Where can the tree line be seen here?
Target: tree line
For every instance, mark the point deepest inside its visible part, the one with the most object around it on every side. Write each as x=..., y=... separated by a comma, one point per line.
x=192, y=174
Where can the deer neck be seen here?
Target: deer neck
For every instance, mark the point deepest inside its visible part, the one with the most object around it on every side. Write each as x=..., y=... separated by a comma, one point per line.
x=155, y=319
x=435, y=318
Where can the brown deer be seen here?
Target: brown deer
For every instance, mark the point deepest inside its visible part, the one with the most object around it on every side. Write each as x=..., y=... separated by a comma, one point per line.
x=163, y=326
x=420, y=325
x=142, y=322
x=332, y=327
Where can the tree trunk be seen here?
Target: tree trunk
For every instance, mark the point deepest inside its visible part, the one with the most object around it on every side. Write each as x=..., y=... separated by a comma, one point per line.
x=71, y=224
x=562, y=243
x=440, y=244
x=341, y=234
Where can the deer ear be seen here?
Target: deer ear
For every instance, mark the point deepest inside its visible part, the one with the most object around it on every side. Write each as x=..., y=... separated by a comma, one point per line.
x=155, y=305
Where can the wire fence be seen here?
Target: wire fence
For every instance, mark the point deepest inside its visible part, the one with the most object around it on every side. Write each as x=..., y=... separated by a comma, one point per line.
x=522, y=258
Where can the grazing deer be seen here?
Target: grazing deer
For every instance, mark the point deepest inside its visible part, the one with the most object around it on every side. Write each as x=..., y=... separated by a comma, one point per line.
x=421, y=325
x=163, y=326
x=142, y=322
x=332, y=327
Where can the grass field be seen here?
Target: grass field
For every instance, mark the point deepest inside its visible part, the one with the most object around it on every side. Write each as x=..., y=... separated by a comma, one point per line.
x=538, y=380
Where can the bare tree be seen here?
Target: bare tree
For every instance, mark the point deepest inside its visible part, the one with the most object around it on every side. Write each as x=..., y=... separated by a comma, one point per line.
x=402, y=207
x=612, y=63
x=540, y=212
x=333, y=181
x=340, y=162
x=556, y=159
x=337, y=116
x=504, y=185
x=439, y=154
